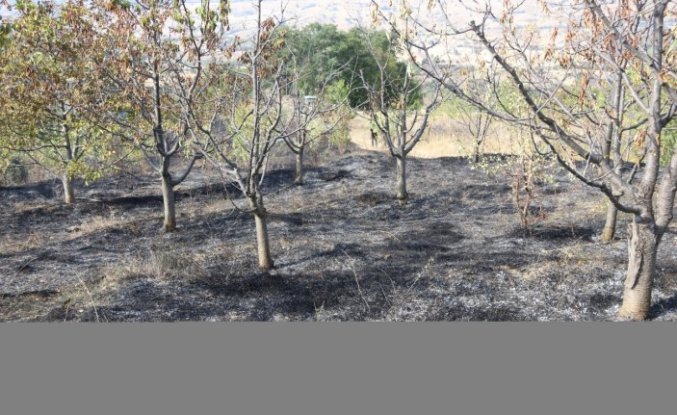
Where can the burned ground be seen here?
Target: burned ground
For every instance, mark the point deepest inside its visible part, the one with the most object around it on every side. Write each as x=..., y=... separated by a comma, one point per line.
x=344, y=249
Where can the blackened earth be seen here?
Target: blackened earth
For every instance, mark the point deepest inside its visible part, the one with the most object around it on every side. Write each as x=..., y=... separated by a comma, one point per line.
x=344, y=249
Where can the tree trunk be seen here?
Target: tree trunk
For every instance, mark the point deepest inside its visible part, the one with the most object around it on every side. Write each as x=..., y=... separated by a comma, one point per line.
x=169, y=204
x=263, y=248
x=68, y=192
x=610, y=226
x=402, y=178
x=476, y=152
x=298, y=177
x=642, y=247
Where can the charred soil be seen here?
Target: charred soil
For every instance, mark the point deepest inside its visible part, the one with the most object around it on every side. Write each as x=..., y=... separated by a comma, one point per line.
x=344, y=249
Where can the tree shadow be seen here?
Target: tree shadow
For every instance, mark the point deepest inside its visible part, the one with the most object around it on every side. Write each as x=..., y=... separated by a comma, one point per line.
x=43, y=189
x=663, y=306
x=555, y=233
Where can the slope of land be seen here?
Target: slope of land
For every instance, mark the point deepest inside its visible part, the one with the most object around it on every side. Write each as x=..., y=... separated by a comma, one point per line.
x=344, y=249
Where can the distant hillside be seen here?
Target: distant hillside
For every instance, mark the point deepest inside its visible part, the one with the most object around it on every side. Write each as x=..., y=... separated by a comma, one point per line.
x=346, y=14
x=349, y=13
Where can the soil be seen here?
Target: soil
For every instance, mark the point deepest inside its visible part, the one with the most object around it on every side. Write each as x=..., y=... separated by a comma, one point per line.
x=344, y=249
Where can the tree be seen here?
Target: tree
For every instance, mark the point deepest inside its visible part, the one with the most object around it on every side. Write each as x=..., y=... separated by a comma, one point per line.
x=478, y=123
x=309, y=127
x=5, y=30
x=5, y=24
x=151, y=51
x=314, y=52
x=50, y=90
x=256, y=118
x=638, y=31
x=395, y=102
x=322, y=51
x=619, y=122
x=314, y=117
x=611, y=111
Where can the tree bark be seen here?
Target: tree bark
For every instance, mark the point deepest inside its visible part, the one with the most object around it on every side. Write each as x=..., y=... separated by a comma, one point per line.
x=298, y=177
x=68, y=192
x=642, y=248
x=262, y=245
x=402, y=178
x=169, y=203
x=610, y=225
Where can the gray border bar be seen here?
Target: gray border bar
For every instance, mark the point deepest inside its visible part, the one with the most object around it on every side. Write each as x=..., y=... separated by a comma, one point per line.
x=338, y=368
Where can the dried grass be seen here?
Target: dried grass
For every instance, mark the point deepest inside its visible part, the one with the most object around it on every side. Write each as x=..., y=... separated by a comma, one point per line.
x=444, y=137
x=15, y=244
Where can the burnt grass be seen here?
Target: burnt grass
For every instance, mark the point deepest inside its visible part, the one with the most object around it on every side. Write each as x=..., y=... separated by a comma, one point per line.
x=344, y=249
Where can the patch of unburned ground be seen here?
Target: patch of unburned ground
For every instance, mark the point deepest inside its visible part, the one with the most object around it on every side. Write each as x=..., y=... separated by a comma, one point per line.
x=445, y=137
x=344, y=249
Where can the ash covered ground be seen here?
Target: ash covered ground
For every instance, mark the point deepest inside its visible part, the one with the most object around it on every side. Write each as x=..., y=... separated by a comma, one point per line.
x=344, y=249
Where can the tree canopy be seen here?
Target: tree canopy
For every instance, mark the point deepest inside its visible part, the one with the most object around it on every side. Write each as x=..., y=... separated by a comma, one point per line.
x=318, y=50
